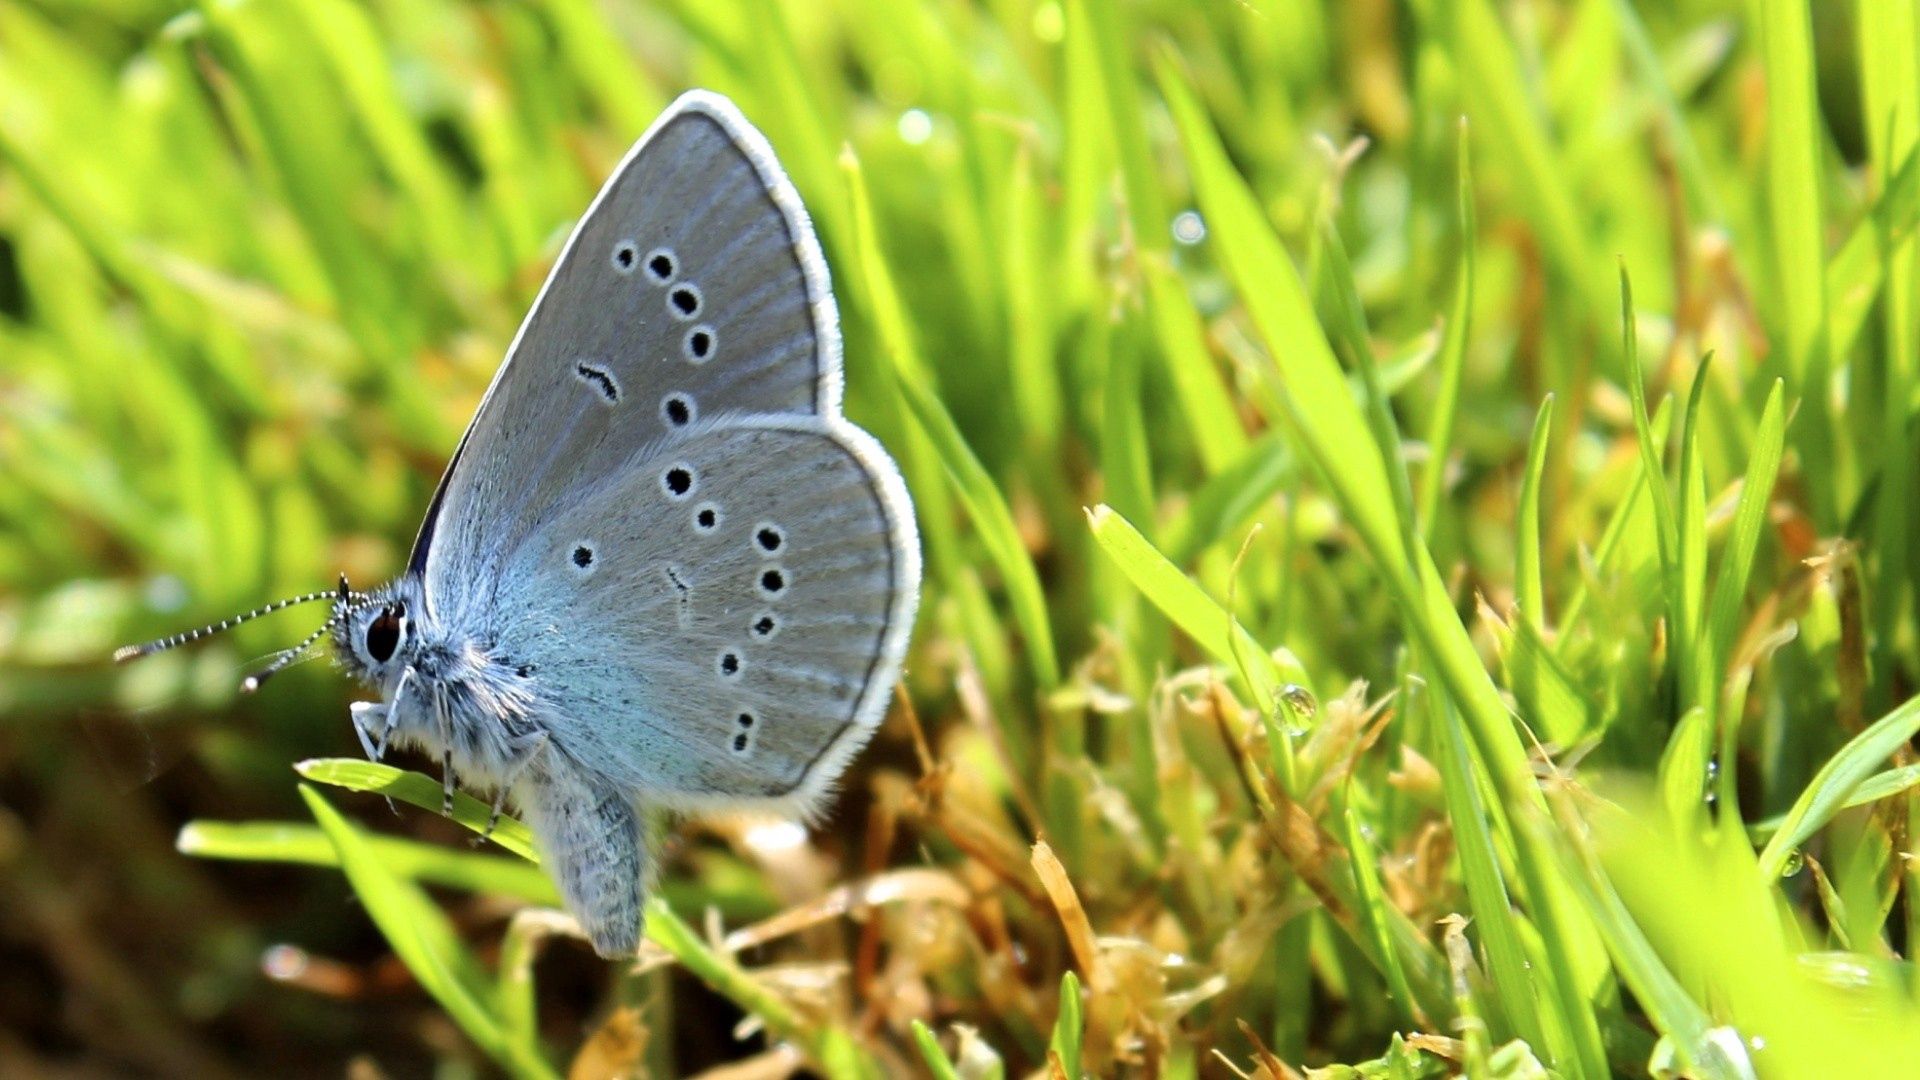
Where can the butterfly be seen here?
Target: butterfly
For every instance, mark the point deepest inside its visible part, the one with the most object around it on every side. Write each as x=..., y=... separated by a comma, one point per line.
x=662, y=570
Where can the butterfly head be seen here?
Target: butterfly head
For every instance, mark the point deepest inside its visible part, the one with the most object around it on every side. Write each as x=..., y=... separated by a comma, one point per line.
x=376, y=634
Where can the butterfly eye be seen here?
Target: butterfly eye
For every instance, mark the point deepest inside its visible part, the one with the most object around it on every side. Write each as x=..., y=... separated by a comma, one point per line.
x=383, y=633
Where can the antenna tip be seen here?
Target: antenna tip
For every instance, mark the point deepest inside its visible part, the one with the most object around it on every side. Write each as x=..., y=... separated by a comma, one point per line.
x=249, y=684
x=128, y=652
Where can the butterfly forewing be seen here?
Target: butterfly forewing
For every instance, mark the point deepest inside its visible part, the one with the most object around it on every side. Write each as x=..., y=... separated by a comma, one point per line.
x=727, y=618
x=693, y=287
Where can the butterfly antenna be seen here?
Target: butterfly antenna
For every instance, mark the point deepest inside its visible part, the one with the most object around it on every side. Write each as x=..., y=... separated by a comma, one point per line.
x=135, y=652
x=285, y=658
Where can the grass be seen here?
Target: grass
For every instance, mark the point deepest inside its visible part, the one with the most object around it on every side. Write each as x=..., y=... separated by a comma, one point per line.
x=1417, y=502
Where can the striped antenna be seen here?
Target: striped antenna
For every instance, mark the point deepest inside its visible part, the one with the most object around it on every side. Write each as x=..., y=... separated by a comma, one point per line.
x=285, y=657
x=135, y=652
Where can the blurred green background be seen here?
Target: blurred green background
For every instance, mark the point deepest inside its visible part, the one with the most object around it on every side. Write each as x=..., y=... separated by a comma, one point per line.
x=1321, y=543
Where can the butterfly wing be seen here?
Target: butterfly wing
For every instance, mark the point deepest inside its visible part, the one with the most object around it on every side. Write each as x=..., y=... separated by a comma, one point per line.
x=693, y=286
x=726, y=616
x=659, y=510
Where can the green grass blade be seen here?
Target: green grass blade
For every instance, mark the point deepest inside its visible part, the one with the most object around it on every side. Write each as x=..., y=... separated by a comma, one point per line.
x=1793, y=189
x=1514, y=977
x=1067, y=1026
x=1353, y=343
x=1836, y=781
x=1794, y=205
x=725, y=977
x=1858, y=270
x=415, y=789
x=1743, y=539
x=1884, y=785
x=1179, y=599
x=1376, y=921
x=1332, y=431
x=985, y=505
x=939, y=1066
x=1508, y=115
x=1528, y=591
x=1126, y=120
x=1652, y=78
x=1683, y=765
x=1654, y=463
x=1690, y=564
x=1550, y=701
x=276, y=841
x=424, y=940
x=1453, y=349
x=1217, y=431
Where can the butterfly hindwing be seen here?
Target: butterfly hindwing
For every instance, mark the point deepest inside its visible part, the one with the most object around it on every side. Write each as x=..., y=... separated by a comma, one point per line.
x=726, y=617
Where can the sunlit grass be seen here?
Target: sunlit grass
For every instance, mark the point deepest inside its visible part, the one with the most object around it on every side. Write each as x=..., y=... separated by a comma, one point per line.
x=1418, y=504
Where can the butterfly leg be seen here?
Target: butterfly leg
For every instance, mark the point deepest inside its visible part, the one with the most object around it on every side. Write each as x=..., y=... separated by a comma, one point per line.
x=591, y=839
x=446, y=755
x=368, y=718
x=535, y=745
x=392, y=710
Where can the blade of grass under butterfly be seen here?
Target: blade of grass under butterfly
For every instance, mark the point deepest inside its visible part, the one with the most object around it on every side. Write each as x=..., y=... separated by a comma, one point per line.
x=724, y=975
x=278, y=841
x=425, y=941
x=418, y=790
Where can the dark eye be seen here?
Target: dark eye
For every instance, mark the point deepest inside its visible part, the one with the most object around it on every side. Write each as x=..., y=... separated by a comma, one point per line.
x=383, y=633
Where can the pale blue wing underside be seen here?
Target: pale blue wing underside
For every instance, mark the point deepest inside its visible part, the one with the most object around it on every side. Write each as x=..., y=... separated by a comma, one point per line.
x=688, y=325
x=727, y=614
x=695, y=273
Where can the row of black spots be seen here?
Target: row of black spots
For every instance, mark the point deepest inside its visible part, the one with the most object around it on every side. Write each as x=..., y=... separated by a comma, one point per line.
x=661, y=264
x=684, y=300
